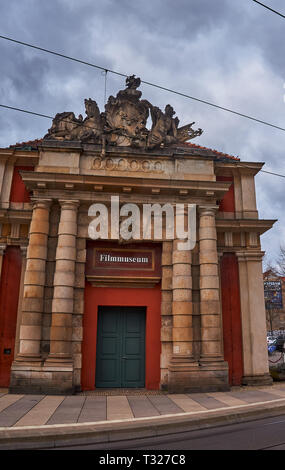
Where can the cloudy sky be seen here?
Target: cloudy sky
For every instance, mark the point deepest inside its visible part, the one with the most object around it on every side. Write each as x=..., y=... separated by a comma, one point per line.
x=228, y=52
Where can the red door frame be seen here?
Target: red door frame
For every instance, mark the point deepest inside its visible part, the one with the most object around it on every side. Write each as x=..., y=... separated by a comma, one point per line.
x=232, y=328
x=9, y=297
x=124, y=297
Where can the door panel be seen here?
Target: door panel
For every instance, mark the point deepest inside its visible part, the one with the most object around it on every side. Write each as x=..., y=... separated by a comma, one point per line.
x=121, y=347
x=133, y=348
x=108, y=348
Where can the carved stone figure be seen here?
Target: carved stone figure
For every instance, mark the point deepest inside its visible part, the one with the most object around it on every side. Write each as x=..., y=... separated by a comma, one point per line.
x=126, y=116
x=123, y=123
x=63, y=126
x=185, y=133
x=92, y=128
x=133, y=82
x=164, y=127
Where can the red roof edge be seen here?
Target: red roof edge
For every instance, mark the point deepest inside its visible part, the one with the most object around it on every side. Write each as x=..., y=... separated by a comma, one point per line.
x=34, y=143
x=221, y=154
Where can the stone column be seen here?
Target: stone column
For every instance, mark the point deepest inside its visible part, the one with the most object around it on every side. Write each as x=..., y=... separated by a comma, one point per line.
x=213, y=367
x=63, y=297
x=253, y=317
x=34, y=282
x=166, y=311
x=182, y=365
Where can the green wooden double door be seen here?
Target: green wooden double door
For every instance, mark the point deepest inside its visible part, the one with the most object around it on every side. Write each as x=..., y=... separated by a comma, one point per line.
x=120, y=355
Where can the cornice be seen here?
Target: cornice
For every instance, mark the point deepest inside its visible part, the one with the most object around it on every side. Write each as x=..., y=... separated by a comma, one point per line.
x=244, y=225
x=44, y=181
x=238, y=167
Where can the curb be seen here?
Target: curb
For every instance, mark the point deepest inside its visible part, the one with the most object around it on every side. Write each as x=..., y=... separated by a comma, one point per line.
x=103, y=433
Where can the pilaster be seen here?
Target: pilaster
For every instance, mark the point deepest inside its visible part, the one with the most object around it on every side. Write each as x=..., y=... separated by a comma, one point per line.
x=255, y=355
x=166, y=311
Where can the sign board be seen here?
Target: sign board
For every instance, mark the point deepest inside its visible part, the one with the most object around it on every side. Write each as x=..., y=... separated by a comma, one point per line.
x=135, y=265
x=273, y=294
x=105, y=258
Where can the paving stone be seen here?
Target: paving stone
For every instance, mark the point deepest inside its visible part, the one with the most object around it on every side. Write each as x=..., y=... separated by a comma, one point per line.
x=7, y=400
x=41, y=413
x=10, y=415
x=186, y=403
x=68, y=411
x=118, y=408
x=253, y=396
x=165, y=405
x=278, y=392
x=94, y=409
x=142, y=407
x=227, y=399
x=207, y=401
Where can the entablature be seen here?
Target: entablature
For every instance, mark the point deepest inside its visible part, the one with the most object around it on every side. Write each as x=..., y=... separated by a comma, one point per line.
x=89, y=187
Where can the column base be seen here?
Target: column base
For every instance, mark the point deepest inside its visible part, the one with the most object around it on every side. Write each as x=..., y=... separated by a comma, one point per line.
x=58, y=361
x=28, y=359
x=257, y=380
x=189, y=377
x=32, y=379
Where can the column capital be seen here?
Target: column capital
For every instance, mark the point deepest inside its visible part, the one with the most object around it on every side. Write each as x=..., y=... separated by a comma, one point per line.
x=41, y=203
x=69, y=204
x=208, y=210
x=249, y=255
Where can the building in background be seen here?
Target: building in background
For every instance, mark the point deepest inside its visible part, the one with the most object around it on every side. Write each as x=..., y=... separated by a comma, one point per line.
x=274, y=296
x=73, y=315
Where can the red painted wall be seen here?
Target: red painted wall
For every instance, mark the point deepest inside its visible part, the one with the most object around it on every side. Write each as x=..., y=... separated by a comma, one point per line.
x=228, y=202
x=232, y=317
x=9, y=295
x=125, y=297
x=19, y=192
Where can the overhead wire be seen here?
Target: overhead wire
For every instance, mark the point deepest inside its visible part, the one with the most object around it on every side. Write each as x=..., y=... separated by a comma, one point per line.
x=268, y=8
x=80, y=123
x=106, y=70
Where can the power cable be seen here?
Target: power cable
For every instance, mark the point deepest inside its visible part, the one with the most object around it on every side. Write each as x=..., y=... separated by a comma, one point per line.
x=268, y=8
x=80, y=123
x=271, y=173
x=148, y=83
x=62, y=55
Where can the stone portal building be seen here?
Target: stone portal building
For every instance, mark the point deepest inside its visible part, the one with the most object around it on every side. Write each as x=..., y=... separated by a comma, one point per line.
x=78, y=313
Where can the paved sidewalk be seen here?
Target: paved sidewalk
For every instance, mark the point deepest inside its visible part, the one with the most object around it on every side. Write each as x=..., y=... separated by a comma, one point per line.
x=39, y=416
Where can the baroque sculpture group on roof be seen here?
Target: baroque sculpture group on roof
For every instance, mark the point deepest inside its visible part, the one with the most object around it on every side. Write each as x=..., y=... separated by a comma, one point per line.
x=123, y=123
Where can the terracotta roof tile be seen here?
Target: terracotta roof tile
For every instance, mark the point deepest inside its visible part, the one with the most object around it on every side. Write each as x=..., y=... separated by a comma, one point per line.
x=221, y=154
x=29, y=143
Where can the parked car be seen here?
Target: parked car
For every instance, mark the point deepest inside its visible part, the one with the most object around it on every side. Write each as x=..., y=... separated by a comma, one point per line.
x=280, y=340
x=271, y=348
